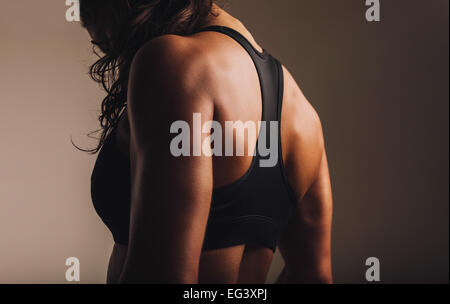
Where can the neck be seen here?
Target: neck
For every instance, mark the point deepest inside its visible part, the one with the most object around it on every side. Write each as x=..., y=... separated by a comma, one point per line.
x=219, y=16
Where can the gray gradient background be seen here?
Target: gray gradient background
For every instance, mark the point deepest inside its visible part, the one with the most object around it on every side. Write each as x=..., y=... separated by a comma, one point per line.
x=381, y=90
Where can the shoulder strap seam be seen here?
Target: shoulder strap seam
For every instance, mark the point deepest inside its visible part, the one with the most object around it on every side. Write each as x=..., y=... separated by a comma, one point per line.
x=238, y=37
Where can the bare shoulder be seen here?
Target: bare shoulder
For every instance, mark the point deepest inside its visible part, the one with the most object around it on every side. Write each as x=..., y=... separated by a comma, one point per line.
x=173, y=59
x=302, y=127
x=306, y=122
x=169, y=80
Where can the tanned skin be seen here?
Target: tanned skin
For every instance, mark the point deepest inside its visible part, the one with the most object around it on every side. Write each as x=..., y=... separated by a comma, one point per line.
x=209, y=73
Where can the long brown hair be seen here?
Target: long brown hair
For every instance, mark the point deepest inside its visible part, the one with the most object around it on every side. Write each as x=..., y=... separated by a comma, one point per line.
x=134, y=23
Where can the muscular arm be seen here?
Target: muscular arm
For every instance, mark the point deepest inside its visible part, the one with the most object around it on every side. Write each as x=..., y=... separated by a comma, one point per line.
x=171, y=196
x=305, y=242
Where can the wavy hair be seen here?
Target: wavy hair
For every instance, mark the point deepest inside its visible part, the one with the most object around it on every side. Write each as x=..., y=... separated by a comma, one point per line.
x=134, y=22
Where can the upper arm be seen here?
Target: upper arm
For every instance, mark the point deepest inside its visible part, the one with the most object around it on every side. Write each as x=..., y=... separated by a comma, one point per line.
x=305, y=243
x=306, y=240
x=170, y=196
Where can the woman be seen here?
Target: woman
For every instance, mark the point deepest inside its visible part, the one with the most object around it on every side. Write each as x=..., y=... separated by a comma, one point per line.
x=206, y=218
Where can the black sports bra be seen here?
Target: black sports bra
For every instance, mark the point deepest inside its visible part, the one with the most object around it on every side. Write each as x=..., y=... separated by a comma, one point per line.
x=253, y=209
